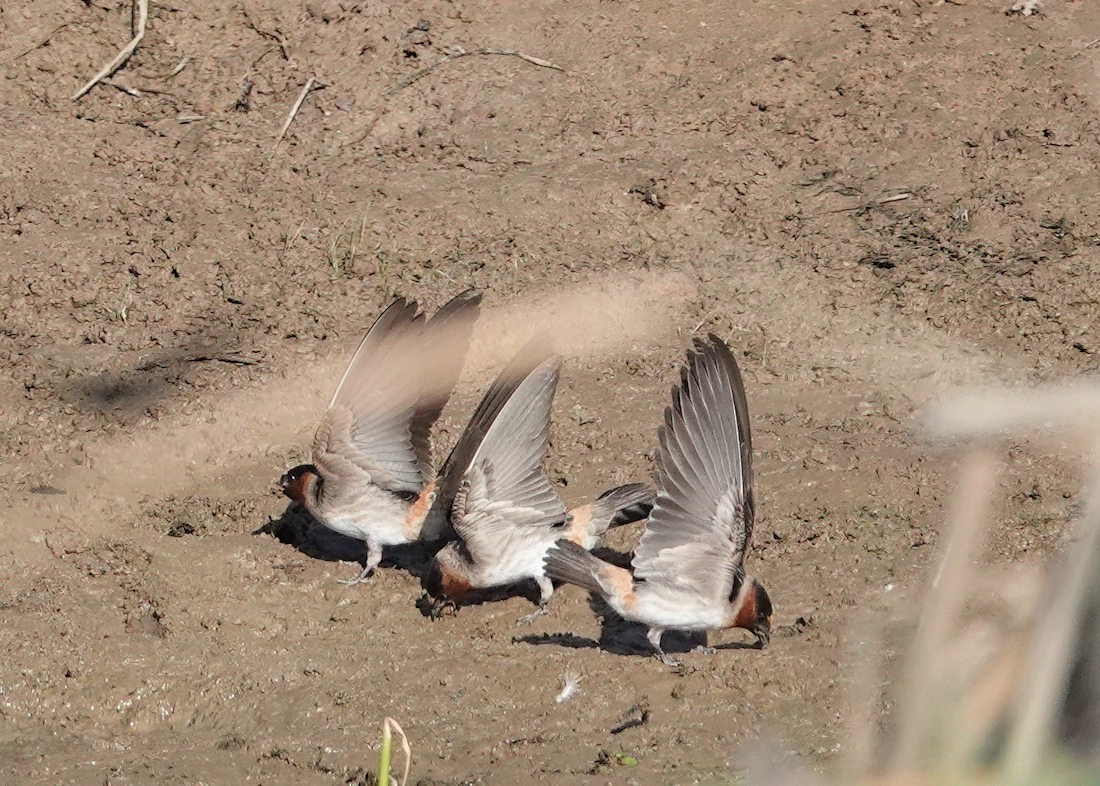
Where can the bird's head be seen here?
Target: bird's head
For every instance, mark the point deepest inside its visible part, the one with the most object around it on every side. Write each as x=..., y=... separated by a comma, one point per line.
x=300, y=483
x=753, y=611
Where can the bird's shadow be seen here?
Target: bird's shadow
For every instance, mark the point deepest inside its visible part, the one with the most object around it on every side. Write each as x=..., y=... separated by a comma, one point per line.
x=295, y=527
x=623, y=637
x=432, y=605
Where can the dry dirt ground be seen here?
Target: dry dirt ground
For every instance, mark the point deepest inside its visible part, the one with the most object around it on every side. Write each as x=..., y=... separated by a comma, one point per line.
x=871, y=201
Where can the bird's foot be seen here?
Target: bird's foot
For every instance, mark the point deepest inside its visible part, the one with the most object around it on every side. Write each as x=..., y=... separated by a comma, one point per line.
x=670, y=661
x=363, y=578
x=439, y=608
x=705, y=650
x=527, y=619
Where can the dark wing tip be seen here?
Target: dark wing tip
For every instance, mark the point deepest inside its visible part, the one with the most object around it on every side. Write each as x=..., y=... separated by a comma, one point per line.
x=400, y=303
x=470, y=295
x=467, y=302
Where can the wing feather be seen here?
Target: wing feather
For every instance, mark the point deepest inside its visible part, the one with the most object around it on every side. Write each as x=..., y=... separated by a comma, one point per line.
x=447, y=340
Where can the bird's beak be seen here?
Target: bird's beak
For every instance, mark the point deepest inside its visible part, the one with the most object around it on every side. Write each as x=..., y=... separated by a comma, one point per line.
x=762, y=638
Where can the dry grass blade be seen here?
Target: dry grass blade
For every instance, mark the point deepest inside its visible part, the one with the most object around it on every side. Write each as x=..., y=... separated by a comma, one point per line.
x=394, y=727
x=40, y=43
x=124, y=54
x=925, y=674
x=1034, y=734
x=991, y=414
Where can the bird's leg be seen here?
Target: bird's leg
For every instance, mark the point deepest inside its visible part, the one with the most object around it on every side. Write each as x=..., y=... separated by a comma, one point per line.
x=654, y=636
x=704, y=648
x=374, y=556
x=546, y=589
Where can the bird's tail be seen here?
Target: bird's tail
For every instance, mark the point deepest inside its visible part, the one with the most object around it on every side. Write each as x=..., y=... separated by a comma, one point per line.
x=573, y=564
x=617, y=506
x=622, y=505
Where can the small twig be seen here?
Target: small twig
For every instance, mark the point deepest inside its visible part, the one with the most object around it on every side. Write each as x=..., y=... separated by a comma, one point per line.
x=182, y=65
x=41, y=43
x=459, y=52
x=124, y=55
x=895, y=198
x=277, y=37
x=291, y=238
x=872, y=204
x=423, y=72
x=222, y=359
x=293, y=112
x=1085, y=48
x=130, y=91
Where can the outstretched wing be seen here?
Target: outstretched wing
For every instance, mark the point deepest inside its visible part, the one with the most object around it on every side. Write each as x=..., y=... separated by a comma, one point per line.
x=446, y=341
x=470, y=443
x=701, y=524
x=504, y=490
x=391, y=393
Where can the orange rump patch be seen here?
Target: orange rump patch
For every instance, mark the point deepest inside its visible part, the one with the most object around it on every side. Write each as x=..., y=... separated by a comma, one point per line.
x=620, y=583
x=578, y=528
x=418, y=511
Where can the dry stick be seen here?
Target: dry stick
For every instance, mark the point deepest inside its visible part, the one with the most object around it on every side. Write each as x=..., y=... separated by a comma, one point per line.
x=40, y=44
x=293, y=111
x=124, y=55
x=130, y=91
x=460, y=52
x=423, y=72
x=948, y=592
x=182, y=65
x=1085, y=48
x=872, y=204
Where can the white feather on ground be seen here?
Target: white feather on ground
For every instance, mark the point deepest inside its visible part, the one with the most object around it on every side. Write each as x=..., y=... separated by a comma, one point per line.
x=569, y=688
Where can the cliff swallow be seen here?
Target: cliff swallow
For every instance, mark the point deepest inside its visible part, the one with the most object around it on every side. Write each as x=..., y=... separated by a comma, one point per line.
x=371, y=476
x=506, y=513
x=688, y=569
